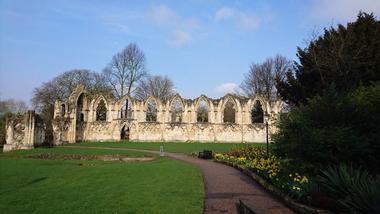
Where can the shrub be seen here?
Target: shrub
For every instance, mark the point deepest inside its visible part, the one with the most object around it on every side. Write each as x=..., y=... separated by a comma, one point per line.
x=354, y=188
x=333, y=128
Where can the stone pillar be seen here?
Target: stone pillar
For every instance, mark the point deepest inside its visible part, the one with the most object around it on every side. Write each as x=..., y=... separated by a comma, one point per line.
x=71, y=133
x=9, y=146
x=29, y=130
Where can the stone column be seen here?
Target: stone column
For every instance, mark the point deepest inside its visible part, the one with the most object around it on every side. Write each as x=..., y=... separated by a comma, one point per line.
x=9, y=146
x=29, y=130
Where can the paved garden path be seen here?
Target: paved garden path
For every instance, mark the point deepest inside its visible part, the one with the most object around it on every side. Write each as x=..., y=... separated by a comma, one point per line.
x=224, y=186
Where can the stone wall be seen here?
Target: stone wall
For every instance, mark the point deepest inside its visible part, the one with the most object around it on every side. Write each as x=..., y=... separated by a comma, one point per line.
x=24, y=131
x=85, y=117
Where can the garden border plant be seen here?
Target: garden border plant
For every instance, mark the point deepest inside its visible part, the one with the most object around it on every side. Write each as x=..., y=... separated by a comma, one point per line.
x=267, y=172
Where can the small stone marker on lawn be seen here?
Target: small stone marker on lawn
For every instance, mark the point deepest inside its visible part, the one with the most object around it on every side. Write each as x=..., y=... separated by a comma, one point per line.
x=162, y=154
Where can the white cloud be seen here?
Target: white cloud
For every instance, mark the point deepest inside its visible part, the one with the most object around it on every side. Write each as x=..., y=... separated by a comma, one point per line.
x=180, y=38
x=249, y=21
x=343, y=10
x=164, y=15
x=244, y=20
x=181, y=28
x=224, y=13
x=229, y=87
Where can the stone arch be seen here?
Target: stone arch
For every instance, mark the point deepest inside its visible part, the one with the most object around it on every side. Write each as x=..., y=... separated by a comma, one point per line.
x=125, y=132
x=229, y=110
x=257, y=112
x=158, y=102
x=100, y=108
x=151, y=109
x=80, y=106
x=95, y=102
x=125, y=108
x=81, y=101
x=177, y=107
x=261, y=99
x=202, y=109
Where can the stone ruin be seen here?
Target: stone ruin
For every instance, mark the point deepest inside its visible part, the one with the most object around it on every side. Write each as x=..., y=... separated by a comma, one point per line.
x=232, y=118
x=24, y=131
x=86, y=117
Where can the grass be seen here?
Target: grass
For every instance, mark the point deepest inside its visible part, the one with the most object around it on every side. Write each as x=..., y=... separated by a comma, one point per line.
x=77, y=186
x=169, y=146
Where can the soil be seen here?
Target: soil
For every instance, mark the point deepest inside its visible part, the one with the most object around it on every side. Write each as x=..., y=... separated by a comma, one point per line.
x=124, y=158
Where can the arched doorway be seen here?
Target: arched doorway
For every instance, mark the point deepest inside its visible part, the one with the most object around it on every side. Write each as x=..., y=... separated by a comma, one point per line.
x=124, y=134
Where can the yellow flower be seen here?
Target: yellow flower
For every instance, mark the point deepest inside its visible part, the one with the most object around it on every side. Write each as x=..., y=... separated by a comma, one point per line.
x=304, y=180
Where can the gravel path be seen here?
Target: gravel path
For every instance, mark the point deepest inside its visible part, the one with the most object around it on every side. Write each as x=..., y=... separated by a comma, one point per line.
x=224, y=186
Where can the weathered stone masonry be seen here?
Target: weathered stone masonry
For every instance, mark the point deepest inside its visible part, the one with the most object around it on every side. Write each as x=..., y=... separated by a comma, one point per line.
x=84, y=117
x=24, y=131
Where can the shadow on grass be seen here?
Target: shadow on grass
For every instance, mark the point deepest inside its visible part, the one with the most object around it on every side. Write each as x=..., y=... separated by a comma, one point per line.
x=37, y=180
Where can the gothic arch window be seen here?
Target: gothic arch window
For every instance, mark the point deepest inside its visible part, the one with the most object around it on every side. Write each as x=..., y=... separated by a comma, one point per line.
x=151, y=111
x=101, y=111
x=202, y=112
x=229, y=112
x=63, y=110
x=80, y=102
x=176, y=111
x=257, y=113
x=126, y=110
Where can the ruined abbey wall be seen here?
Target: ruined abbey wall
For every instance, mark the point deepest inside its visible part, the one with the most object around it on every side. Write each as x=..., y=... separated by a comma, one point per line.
x=24, y=131
x=84, y=117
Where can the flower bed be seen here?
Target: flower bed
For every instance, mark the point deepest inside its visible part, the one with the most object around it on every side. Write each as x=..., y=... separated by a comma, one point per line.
x=273, y=174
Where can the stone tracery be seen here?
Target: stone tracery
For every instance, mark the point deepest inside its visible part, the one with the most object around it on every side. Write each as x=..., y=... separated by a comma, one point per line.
x=227, y=119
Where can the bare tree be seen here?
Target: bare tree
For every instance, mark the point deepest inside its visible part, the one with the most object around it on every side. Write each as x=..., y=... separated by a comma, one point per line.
x=60, y=88
x=12, y=105
x=262, y=78
x=156, y=86
x=125, y=69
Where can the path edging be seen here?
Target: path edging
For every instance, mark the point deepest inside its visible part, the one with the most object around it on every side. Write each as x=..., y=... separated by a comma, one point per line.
x=288, y=201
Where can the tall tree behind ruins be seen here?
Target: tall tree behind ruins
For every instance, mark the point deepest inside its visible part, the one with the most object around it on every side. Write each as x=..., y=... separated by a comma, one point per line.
x=125, y=70
x=262, y=78
x=60, y=88
x=160, y=87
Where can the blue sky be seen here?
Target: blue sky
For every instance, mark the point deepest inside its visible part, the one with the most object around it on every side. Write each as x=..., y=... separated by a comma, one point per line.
x=204, y=46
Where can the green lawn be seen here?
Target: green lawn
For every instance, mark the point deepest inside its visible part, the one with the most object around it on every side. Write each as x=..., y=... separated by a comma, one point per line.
x=77, y=186
x=168, y=146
